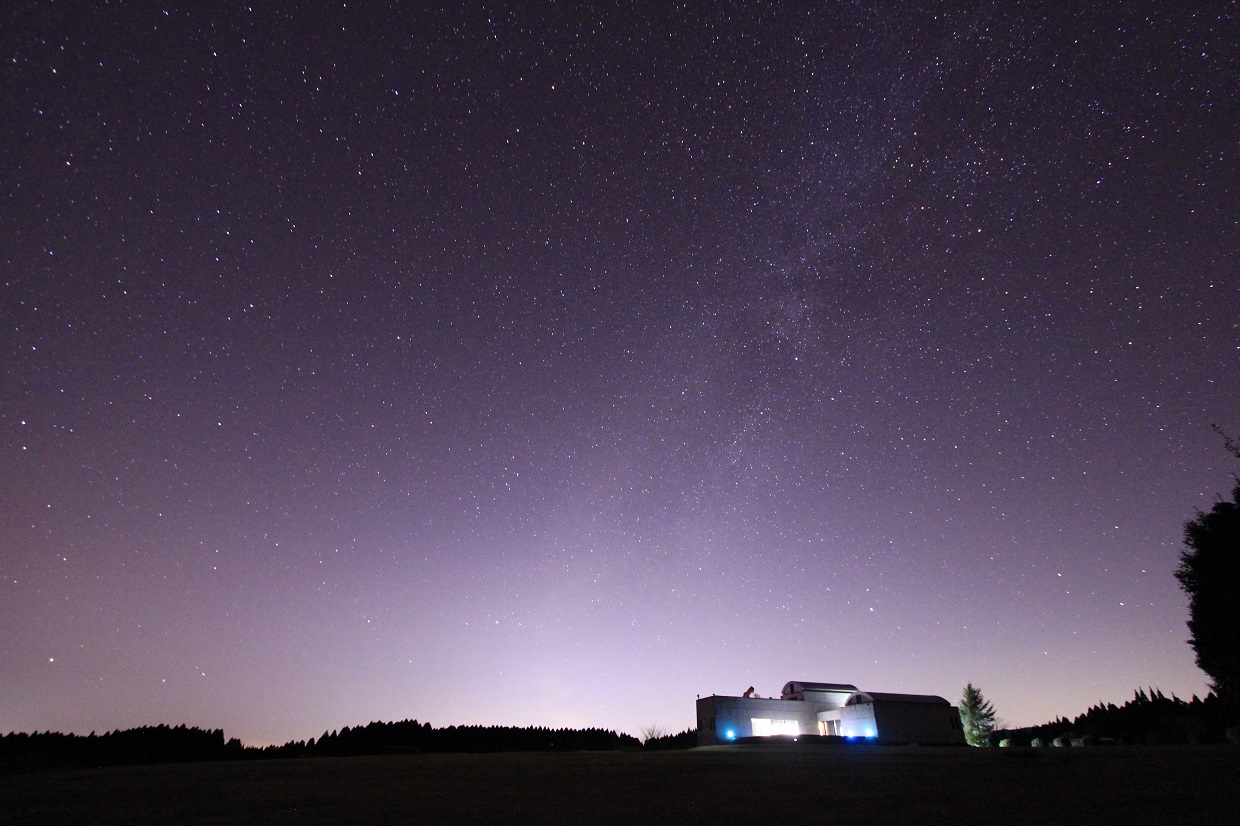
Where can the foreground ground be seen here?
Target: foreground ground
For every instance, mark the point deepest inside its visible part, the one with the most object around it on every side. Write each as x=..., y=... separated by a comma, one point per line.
x=759, y=784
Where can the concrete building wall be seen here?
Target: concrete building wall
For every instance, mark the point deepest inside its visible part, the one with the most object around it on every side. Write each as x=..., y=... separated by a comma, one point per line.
x=923, y=723
x=858, y=721
x=928, y=724
x=724, y=719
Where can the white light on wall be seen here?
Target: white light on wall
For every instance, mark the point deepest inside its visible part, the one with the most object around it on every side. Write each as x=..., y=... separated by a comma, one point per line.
x=785, y=727
x=763, y=727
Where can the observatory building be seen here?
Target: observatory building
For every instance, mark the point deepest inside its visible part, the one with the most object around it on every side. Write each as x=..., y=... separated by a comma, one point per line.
x=827, y=709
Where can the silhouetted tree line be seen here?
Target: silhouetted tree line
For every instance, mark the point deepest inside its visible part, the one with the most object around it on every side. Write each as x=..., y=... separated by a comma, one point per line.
x=687, y=739
x=149, y=744
x=412, y=736
x=164, y=744
x=1149, y=718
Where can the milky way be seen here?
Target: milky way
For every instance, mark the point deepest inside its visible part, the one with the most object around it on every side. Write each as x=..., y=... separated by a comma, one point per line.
x=557, y=365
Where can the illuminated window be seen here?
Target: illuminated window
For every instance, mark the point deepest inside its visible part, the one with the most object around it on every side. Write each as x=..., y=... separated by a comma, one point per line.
x=763, y=727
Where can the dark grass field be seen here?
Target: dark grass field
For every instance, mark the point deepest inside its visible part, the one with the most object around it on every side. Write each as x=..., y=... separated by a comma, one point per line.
x=758, y=784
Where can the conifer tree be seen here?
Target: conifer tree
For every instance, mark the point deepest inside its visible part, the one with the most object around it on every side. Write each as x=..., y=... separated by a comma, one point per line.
x=977, y=716
x=1209, y=573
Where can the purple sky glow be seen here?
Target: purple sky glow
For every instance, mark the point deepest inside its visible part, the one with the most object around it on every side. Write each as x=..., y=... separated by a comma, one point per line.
x=555, y=365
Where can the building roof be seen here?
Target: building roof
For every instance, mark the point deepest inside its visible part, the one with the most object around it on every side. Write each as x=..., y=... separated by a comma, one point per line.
x=884, y=697
x=800, y=685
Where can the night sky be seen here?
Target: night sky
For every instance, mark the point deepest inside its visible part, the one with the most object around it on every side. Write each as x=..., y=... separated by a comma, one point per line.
x=553, y=365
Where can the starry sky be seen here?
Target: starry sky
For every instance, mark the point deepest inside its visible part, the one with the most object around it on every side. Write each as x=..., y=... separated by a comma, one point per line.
x=553, y=364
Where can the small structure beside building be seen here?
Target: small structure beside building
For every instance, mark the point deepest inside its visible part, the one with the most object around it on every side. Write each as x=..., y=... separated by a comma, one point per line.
x=830, y=709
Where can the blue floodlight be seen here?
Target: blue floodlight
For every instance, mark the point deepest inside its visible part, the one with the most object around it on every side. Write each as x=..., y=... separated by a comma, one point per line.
x=731, y=735
x=869, y=732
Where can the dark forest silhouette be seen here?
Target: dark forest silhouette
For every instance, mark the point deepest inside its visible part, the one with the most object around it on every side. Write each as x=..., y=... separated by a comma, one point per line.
x=149, y=744
x=1149, y=718
x=165, y=744
x=412, y=736
x=687, y=739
